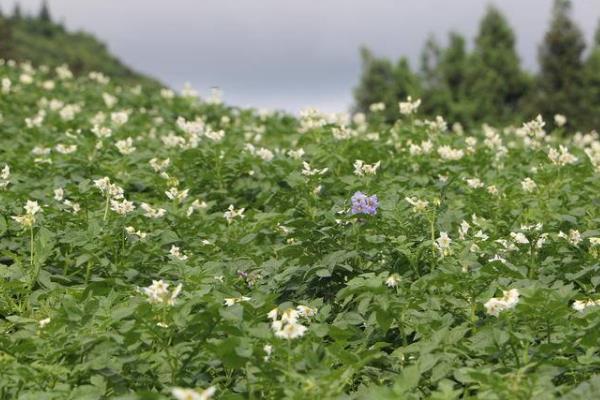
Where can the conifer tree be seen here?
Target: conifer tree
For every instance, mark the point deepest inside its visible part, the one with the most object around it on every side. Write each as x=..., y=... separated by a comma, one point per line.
x=6, y=42
x=560, y=80
x=376, y=82
x=592, y=85
x=17, y=15
x=44, y=14
x=496, y=80
x=453, y=67
x=436, y=95
x=406, y=83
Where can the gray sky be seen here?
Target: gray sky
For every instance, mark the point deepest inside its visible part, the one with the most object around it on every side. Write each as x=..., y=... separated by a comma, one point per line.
x=283, y=53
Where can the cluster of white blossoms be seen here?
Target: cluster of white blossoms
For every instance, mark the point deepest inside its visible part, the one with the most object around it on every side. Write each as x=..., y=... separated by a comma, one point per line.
x=287, y=326
x=311, y=118
x=409, y=106
x=560, y=120
x=109, y=189
x=448, y=153
x=68, y=112
x=377, y=107
x=65, y=148
x=393, y=280
x=418, y=204
x=528, y=185
x=31, y=209
x=159, y=293
x=581, y=305
x=574, y=237
x=442, y=243
x=101, y=132
x=308, y=171
x=232, y=213
x=131, y=231
x=496, y=305
x=191, y=394
x=152, y=212
x=176, y=194
x=196, y=205
x=562, y=156
x=263, y=153
x=230, y=301
x=125, y=146
x=533, y=128
x=474, y=183
x=438, y=125
x=114, y=194
x=119, y=118
x=214, y=135
x=122, y=207
x=176, y=253
x=59, y=195
x=417, y=149
x=159, y=165
x=296, y=154
x=5, y=177
x=361, y=168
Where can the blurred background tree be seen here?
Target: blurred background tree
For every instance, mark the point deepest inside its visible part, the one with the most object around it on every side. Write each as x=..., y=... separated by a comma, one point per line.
x=42, y=41
x=560, y=84
x=496, y=80
x=591, y=81
x=488, y=84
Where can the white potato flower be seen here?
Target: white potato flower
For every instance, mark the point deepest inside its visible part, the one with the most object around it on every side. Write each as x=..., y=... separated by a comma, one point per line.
x=361, y=168
x=122, y=207
x=443, y=244
x=409, y=106
x=125, y=146
x=418, y=204
x=190, y=394
x=528, y=185
x=232, y=213
x=560, y=120
x=509, y=300
x=393, y=280
x=158, y=293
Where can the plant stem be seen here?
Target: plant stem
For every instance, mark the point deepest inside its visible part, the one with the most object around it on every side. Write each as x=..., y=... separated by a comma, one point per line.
x=106, y=208
x=31, y=246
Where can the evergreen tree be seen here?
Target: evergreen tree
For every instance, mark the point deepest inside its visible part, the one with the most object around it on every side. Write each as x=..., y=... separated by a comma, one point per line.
x=592, y=85
x=430, y=61
x=436, y=95
x=44, y=14
x=6, y=42
x=406, y=83
x=560, y=80
x=496, y=80
x=17, y=15
x=376, y=82
x=451, y=94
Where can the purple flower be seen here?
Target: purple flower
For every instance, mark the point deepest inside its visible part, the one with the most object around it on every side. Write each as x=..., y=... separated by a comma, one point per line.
x=363, y=204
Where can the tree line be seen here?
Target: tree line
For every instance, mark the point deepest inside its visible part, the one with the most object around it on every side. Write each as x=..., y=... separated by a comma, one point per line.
x=488, y=83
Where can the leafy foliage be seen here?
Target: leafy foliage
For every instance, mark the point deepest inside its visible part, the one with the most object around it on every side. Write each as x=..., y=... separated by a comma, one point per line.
x=393, y=303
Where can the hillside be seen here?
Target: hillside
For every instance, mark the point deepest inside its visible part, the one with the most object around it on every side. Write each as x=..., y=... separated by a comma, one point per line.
x=43, y=42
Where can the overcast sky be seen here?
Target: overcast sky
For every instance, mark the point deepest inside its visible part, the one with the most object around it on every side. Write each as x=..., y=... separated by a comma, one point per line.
x=288, y=53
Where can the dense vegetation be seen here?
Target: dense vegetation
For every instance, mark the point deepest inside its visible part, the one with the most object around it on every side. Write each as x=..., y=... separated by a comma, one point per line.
x=42, y=41
x=154, y=245
x=487, y=84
